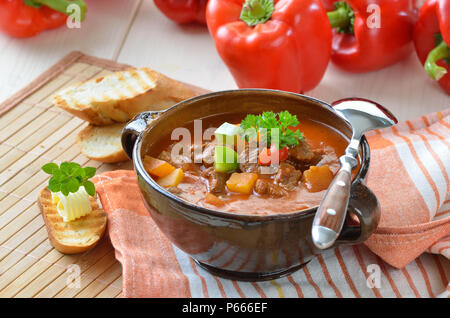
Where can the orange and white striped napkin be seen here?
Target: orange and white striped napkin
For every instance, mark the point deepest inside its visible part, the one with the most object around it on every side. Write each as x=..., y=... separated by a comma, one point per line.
x=409, y=172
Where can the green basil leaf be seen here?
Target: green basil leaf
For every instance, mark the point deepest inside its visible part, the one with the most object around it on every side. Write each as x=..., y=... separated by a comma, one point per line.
x=89, y=187
x=73, y=185
x=58, y=175
x=50, y=168
x=65, y=168
x=90, y=172
x=73, y=166
x=78, y=172
x=54, y=185
x=64, y=179
x=65, y=189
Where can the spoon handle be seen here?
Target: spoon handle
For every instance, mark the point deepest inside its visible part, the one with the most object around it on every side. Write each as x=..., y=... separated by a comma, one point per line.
x=330, y=215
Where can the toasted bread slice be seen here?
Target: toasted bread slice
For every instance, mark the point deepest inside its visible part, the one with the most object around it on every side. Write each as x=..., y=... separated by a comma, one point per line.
x=76, y=236
x=102, y=143
x=120, y=96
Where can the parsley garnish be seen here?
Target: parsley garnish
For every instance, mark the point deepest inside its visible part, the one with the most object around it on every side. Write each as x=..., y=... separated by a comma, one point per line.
x=267, y=121
x=69, y=177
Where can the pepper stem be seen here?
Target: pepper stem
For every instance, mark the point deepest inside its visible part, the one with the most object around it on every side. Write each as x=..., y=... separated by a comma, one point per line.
x=441, y=51
x=342, y=17
x=256, y=11
x=59, y=5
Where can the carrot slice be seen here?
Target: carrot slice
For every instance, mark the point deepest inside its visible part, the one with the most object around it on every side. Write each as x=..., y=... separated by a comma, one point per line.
x=214, y=200
x=156, y=167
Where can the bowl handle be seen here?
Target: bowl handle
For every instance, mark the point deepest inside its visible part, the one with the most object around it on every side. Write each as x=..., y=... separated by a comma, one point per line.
x=134, y=128
x=364, y=205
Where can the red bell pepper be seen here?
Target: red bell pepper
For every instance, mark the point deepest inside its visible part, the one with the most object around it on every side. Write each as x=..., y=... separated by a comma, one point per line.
x=370, y=34
x=432, y=40
x=329, y=4
x=183, y=11
x=282, y=44
x=26, y=18
x=272, y=155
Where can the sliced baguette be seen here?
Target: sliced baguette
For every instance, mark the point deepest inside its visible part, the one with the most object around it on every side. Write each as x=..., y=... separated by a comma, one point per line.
x=120, y=96
x=102, y=143
x=76, y=236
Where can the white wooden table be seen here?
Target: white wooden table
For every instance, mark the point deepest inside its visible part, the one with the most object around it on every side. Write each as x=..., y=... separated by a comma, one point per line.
x=135, y=32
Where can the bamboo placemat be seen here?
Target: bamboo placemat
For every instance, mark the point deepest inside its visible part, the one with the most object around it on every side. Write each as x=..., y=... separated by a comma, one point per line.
x=32, y=133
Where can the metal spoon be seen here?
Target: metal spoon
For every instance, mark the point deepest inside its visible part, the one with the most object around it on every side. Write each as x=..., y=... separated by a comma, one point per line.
x=363, y=115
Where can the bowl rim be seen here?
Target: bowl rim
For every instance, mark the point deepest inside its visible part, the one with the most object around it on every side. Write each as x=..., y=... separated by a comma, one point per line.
x=141, y=172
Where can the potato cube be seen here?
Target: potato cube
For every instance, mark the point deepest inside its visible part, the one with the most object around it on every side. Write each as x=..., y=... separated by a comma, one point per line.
x=172, y=179
x=317, y=178
x=242, y=182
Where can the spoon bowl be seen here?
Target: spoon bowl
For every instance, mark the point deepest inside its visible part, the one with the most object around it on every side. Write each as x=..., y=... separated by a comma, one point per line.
x=364, y=115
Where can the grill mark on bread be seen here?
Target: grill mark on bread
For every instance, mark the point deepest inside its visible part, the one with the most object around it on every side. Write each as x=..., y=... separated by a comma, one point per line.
x=119, y=96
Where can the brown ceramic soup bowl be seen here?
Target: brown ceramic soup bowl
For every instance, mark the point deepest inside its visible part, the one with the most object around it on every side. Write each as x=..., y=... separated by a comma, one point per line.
x=240, y=246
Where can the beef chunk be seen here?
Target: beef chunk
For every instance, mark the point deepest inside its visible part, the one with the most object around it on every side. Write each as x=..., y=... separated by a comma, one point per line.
x=301, y=152
x=196, y=154
x=287, y=176
x=248, y=159
x=329, y=158
x=208, y=154
x=302, y=157
x=176, y=160
x=193, y=168
x=216, y=180
x=266, y=186
x=285, y=180
x=203, y=153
